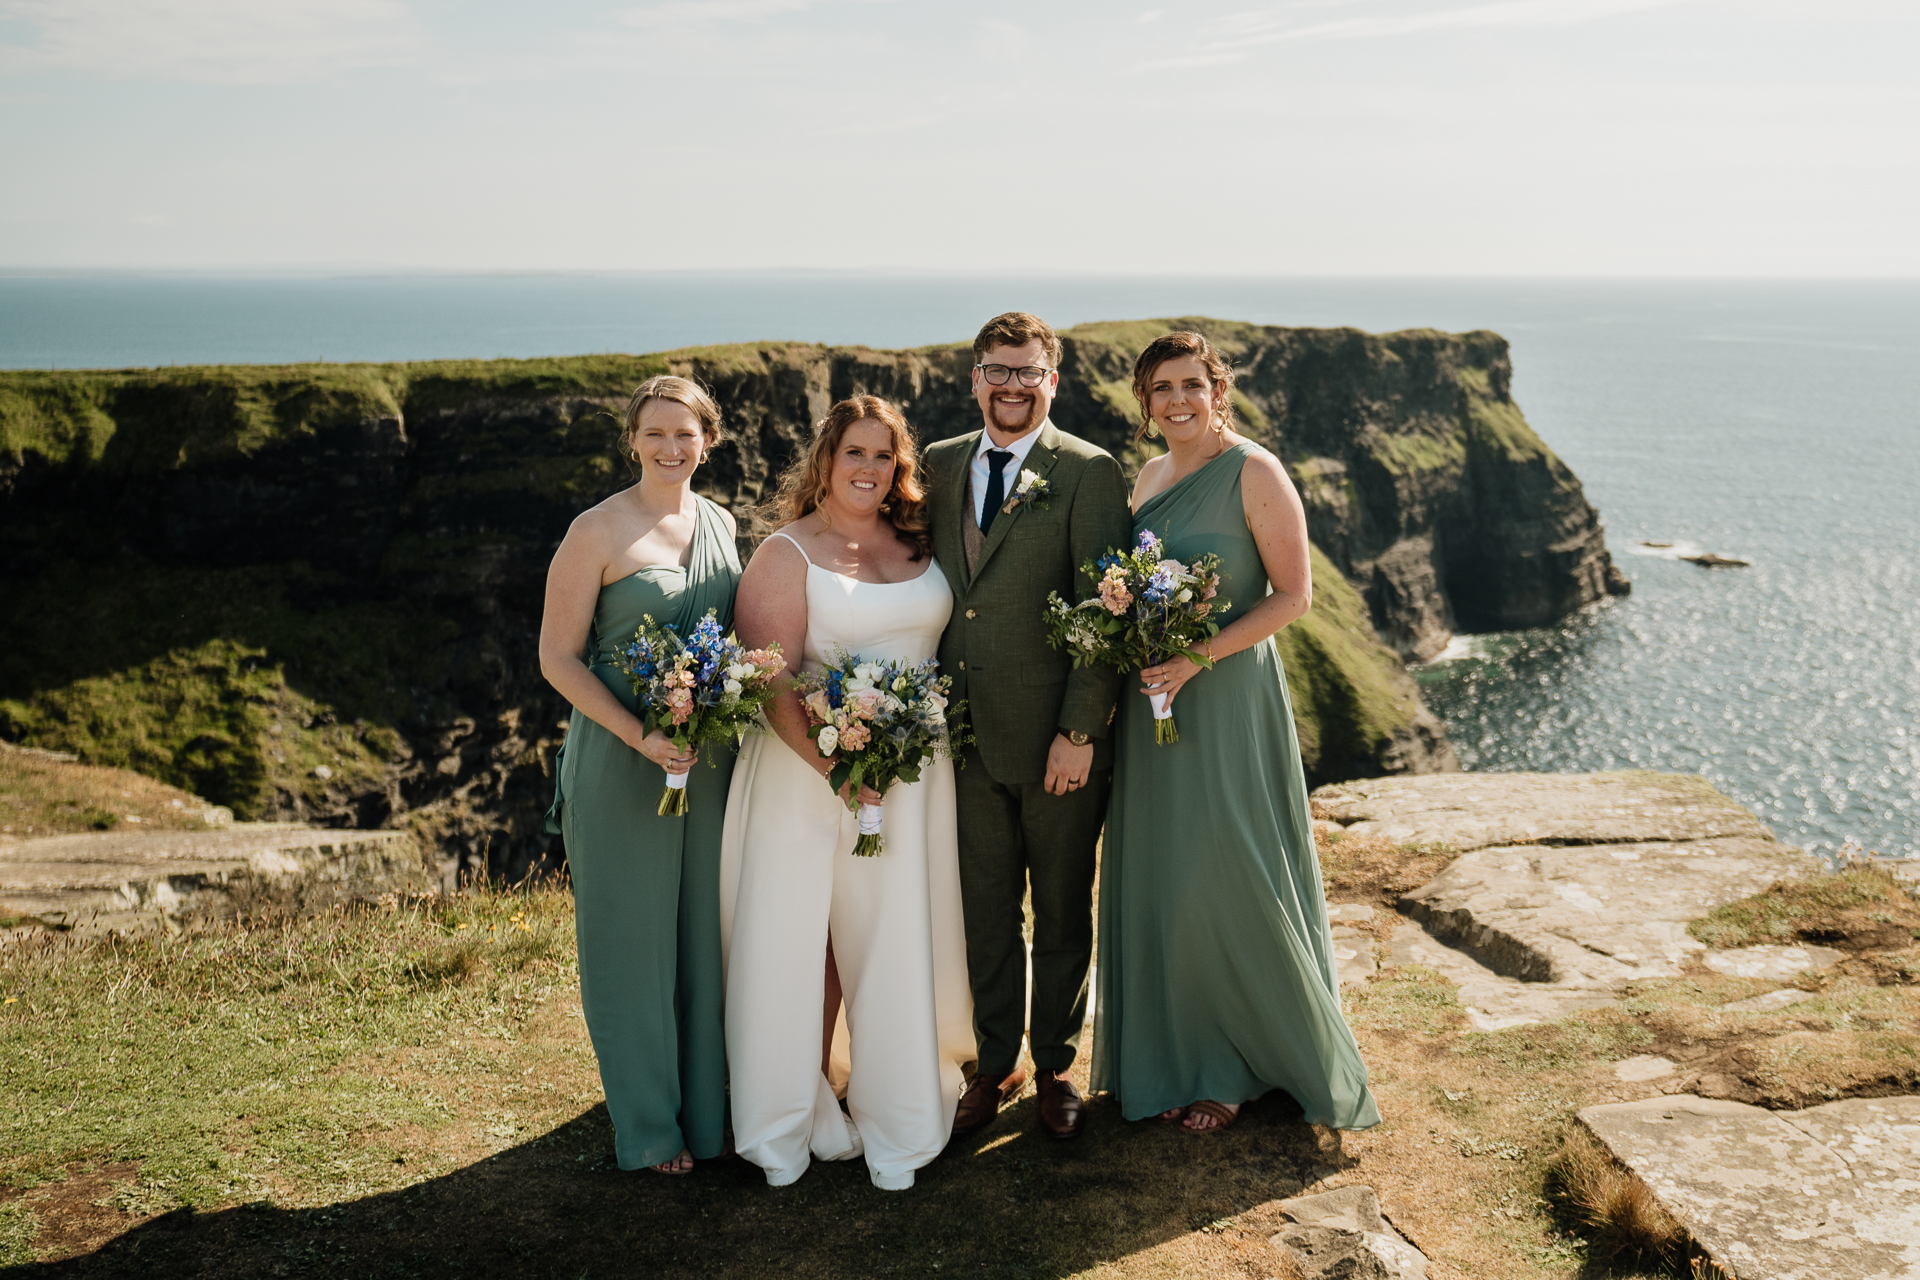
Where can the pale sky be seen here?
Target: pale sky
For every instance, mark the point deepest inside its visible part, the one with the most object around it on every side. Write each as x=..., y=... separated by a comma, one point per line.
x=1388, y=137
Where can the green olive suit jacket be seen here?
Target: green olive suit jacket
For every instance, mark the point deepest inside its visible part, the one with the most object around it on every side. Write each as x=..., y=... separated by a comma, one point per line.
x=1020, y=691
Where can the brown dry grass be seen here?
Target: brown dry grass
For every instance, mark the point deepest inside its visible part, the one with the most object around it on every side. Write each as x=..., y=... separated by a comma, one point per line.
x=43, y=795
x=1861, y=907
x=1613, y=1209
x=1376, y=870
x=393, y=1093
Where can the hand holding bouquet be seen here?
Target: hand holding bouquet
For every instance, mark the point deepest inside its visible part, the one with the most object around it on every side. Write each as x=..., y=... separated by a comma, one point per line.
x=880, y=721
x=1148, y=609
x=705, y=688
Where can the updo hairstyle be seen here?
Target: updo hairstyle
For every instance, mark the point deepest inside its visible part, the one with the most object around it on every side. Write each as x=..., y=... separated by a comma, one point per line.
x=1172, y=346
x=684, y=391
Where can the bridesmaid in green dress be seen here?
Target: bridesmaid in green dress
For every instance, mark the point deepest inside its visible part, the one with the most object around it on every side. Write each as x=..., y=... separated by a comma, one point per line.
x=646, y=888
x=1216, y=975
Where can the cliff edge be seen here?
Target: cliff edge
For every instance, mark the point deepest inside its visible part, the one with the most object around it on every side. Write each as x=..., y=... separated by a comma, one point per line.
x=312, y=592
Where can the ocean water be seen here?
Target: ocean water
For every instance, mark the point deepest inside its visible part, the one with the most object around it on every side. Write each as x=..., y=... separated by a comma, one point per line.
x=1775, y=422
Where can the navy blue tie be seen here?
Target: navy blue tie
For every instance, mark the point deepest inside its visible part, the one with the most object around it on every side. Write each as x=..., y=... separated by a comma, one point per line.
x=996, y=486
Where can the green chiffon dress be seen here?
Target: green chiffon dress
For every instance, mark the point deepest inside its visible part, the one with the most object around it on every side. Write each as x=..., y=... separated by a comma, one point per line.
x=1215, y=972
x=646, y=888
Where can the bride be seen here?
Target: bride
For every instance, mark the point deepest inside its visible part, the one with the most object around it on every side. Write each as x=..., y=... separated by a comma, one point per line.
x=846, y=977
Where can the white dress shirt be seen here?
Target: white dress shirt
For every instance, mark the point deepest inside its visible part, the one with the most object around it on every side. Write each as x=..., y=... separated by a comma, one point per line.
x=1009, y=474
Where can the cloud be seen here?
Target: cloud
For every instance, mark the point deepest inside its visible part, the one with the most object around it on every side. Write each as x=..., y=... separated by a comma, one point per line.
x=1231, y=37
x=676, y=13
x=1258, y=29
x=216, y=41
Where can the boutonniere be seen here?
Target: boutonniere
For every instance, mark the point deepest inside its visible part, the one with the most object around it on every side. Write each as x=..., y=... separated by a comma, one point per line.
x=1032, y=488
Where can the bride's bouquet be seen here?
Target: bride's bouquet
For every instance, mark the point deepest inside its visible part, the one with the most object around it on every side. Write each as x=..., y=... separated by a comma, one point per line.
x=1148, y=609
x=881, y=721
x=702, y=689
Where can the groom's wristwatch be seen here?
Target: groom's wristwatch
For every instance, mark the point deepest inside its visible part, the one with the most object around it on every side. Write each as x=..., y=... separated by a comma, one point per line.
x=1078, y=738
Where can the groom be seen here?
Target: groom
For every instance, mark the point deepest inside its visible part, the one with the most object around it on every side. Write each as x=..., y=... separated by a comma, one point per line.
x=1017, y=508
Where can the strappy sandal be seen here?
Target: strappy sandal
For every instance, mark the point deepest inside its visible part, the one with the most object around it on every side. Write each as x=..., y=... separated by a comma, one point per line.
x=1218, y=1112
x=671, y=1168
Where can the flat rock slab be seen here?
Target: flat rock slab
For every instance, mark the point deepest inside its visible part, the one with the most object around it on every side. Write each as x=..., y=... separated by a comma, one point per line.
x=1777, y=963
x=1493, y=1001
x=1342, y=1235
x=1771, y=1002
x=121, y=879
x=1353, y=958
x=1477, y=810
x=1596, y=916
x=1830, y=1193
x=1644, y=1067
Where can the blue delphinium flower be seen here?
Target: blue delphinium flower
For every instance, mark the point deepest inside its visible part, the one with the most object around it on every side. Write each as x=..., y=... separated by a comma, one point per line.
x=1159, y=587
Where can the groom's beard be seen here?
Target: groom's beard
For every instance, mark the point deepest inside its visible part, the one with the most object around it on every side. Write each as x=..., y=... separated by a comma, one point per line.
x=1028, y=421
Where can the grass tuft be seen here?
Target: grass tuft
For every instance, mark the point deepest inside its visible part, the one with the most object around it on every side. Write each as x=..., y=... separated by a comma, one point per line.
x=18, y=1226
x=1861, y=906
x=1374, y=869
x=1625, y=1226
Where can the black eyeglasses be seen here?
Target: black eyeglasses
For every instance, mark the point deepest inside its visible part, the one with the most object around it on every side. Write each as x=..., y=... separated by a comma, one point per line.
x=1030, y=376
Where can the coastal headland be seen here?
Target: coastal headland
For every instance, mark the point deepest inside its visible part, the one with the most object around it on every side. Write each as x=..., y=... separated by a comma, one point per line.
x=310, y=593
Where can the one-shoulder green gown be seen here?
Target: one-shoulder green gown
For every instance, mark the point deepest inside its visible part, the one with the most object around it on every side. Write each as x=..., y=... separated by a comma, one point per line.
x=646, y=888
x=1215, y=969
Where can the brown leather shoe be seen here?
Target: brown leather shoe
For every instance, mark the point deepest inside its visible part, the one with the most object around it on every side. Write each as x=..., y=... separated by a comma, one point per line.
x=981, y=1102
x=1063, y=1112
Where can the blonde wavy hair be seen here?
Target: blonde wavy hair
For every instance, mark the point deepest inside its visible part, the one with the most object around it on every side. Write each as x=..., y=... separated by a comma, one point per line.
x=808, y=479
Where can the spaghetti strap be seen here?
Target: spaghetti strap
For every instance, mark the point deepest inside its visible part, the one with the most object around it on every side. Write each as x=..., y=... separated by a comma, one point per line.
x=782, y=533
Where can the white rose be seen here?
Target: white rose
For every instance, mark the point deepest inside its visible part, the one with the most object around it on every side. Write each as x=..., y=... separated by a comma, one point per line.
x=741, y=670
x=856, y=684
x=1178, y=570
x=732, y=687
x=1028, y=479
x=1184, y=596
x=870, y=672
x=829, y=740
x=936, y=716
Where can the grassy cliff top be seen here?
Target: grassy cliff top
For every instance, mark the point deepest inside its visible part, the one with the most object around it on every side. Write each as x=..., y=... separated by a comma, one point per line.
x=144, y=419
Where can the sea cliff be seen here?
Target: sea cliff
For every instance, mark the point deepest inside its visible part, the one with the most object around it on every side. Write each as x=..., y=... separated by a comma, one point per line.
x=313, y=591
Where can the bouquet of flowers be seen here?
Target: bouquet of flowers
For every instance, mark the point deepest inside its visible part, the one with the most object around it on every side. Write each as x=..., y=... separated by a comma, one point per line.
x=1148, y=608
x=700, y=689
x=881, y=720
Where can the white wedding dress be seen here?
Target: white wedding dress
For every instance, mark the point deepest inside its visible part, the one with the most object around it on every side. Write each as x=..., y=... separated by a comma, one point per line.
x=788, y=880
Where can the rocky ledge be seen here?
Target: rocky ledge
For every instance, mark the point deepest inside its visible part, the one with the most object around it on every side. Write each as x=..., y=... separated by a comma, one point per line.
x=1562, y=893
x=121, y=881
x=1828, y=1193
x=1567, y=887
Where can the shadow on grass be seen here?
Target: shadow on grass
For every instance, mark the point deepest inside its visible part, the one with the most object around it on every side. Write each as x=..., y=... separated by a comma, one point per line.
x=1007, y=1202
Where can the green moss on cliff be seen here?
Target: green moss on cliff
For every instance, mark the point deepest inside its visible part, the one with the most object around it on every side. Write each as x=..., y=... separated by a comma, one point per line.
x=1351, y=697
x=210, y=680
x=1406, y=454
x=58, y=416
x=1498, y=421
x=157, y=419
